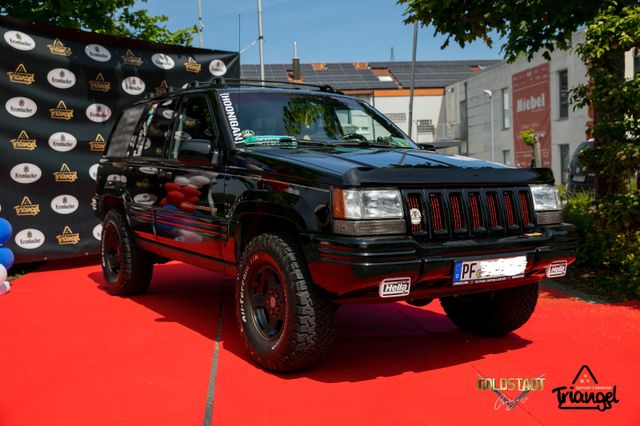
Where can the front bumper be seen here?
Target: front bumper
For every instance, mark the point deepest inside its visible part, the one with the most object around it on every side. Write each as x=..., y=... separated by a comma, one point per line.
x=351, y=269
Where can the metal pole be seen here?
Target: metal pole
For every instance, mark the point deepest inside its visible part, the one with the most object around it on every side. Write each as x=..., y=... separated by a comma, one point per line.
x=413, y=76
x=492, y=140
x=239, y=22
x=260, y=39
x=200, y=25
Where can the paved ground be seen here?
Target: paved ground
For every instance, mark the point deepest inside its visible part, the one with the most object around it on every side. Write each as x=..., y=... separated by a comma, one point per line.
x=72, y=355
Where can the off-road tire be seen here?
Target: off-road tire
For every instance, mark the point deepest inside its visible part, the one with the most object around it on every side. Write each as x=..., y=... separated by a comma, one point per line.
x=307, y=318
x=126, y=268
x=494, y=313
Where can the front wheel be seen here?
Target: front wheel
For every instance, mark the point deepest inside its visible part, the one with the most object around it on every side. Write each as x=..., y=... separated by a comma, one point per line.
x=492, y=313
x=285, y=321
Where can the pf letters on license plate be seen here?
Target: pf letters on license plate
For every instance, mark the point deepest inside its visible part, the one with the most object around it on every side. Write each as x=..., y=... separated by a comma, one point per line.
x=486, y=270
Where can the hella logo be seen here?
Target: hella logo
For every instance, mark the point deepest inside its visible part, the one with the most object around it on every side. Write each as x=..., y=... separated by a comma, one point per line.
x=26, y=173
x=64, y=204
x=133, y=85
x=19, y=40
x=29, y=239
x=98, y=113
x=93, y=172
x=97, y=232
x=163, y=61
x=61, y=78
x=21, y=107
x=395, y=287
x=97, y=52
x=217, y=68
x=62, y=141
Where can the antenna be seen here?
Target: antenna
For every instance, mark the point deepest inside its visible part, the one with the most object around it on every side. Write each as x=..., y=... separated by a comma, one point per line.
x=392, y=57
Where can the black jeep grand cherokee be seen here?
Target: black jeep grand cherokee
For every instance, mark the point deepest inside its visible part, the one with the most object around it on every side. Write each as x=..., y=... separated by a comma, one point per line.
x=312, y=199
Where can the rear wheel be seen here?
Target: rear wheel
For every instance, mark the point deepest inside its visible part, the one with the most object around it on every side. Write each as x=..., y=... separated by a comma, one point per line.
x=127, y=269
x=493, y=313
x=285, y=321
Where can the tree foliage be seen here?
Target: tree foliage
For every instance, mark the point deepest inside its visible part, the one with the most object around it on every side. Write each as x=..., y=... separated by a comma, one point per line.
x=112, y=17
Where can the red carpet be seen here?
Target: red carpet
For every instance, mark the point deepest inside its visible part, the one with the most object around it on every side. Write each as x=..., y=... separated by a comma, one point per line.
x=72, y=355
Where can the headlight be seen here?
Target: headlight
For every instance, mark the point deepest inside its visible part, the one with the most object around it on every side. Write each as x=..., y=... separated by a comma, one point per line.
x=546, y=203
x=368, y=212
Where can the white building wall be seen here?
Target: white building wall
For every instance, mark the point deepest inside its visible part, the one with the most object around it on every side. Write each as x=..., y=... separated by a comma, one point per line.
x=425, y=107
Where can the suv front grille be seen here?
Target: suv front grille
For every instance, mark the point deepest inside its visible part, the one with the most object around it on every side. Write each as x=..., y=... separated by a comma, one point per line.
x=464, y=213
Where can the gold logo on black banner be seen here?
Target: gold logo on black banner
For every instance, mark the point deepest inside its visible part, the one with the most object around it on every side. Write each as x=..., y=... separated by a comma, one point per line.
x=23, y=143
x=21, y=76
x=68, y=237
x=27, y=208
x=130, y=59
x=99, y=85
x=65, y=175
x=162, y=88
x=57, y=48
x=192, y=66
x=98, y=144
x=61, y=112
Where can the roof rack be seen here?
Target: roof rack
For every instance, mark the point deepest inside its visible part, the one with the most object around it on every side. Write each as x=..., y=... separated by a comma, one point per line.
x=224, y=82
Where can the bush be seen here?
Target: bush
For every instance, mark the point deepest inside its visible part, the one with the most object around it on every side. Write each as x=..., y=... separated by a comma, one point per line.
x=577, y=211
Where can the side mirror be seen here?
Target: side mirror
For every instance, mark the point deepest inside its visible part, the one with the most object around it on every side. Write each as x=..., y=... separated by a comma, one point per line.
x=427, y=147
x=196, y=151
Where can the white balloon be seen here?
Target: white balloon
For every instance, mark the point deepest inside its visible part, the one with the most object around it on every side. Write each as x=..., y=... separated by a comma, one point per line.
x=3, y=273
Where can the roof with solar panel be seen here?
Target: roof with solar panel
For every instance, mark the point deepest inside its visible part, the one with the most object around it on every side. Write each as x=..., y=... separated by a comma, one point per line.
x=372, y=75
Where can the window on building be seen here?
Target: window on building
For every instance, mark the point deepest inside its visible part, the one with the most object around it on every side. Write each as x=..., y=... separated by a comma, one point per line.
x=397, y=117
x=506, y=108
x=563, y=92
x=506, y=157
x=636, y=62
x=564, y=162
x=425, y=127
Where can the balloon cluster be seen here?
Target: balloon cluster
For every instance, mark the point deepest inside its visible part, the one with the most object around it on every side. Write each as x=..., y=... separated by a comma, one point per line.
x=6, y=255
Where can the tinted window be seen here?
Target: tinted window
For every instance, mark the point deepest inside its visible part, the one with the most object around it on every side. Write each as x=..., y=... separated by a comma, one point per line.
x=155, y=129
x=122, y=134
x=194, y=122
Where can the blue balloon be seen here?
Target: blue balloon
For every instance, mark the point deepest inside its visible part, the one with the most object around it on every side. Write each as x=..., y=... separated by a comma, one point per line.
x=6, y=257
x=5, y=231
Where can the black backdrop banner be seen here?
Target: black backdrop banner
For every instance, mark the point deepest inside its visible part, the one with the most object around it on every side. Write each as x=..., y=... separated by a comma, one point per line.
x=60, y=92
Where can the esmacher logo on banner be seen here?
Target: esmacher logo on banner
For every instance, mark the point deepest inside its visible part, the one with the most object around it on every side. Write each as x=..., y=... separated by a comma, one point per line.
x=585, y=393
x=97, y=52
x=29, y=239
x=217, y=68
x=68, y=237
x=26, y=173
x=162, y=61
x=98, y=113
x=21, y=107
x=61, y=78
x=58, y=48
x=98, y=144
x=64, y=204
x=21, y=76
x=62, y=141
x=130, y=59
x=61, y=112
x=133, y=85
x=192, y=66
x=98, y=84
x=27, y=208
x=19, y=40
x=23, y=142
x=65, y=174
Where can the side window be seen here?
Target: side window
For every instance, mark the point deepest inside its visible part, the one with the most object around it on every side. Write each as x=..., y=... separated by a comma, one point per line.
x=153, y=134
x=122, y=134
x=194, y=132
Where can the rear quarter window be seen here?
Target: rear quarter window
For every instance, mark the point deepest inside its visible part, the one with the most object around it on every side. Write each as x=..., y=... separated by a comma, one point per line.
x=122, y=135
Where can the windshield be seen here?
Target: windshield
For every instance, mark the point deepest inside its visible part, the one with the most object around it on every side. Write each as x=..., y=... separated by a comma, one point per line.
x=280, y=118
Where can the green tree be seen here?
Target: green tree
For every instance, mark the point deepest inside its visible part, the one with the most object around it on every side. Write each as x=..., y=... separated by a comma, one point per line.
x=112, y=17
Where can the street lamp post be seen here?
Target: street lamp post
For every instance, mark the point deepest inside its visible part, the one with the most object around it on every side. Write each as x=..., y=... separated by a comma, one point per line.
x=260, y=39
x=490, y=94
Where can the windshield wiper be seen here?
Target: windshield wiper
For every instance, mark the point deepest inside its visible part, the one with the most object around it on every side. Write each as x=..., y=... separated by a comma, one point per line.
x=365, y=144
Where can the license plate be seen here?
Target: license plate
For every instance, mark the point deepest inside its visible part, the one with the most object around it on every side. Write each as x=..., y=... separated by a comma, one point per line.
x=486, y=270
x=579, y=178
x=557, y=269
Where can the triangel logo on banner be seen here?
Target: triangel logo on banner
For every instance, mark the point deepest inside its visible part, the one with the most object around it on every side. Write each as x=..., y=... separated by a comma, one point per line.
x=192, y=66
x=68, y=237
x=65, y=175
x=162, y=88
x=23, y=142
x=130, y=59
x=98, y=144
x=27, y=208
x=57, y=48
x=21, y=76
x=99, y=85
x=61, y=112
